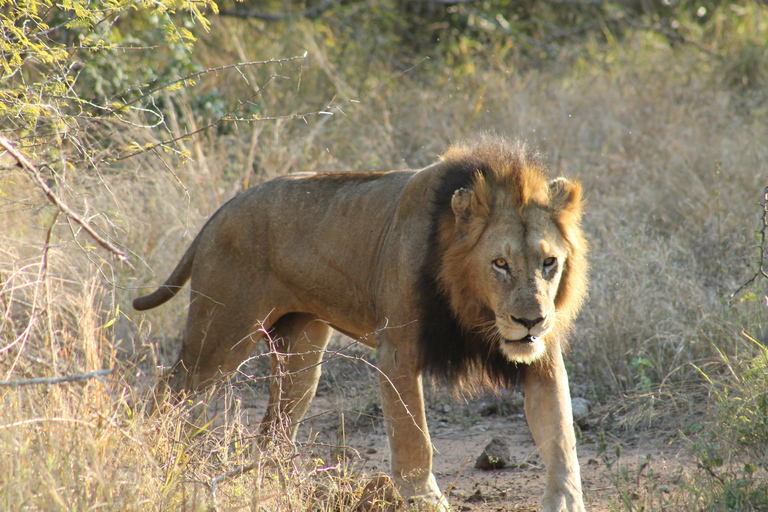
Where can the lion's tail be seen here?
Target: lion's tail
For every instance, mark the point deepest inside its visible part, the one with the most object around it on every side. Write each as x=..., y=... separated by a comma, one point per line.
x=173, y=284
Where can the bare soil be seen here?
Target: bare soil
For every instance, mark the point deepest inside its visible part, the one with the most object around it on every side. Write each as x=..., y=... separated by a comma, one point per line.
x=459, y=442
x=345, y=423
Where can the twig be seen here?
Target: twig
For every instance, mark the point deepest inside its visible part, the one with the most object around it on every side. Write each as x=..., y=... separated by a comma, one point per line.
x=25, y=164
x=55, y=380
x=42, y=277
x=225, y=117
x=240, y=470
x=214, y=70
x=46, y=282
x=229, y=116
x=761, y=270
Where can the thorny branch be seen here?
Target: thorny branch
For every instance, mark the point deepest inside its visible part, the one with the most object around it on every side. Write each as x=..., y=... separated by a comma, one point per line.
x=25, y=164
x=227, y=117
x=761, y=264
x=214, y=70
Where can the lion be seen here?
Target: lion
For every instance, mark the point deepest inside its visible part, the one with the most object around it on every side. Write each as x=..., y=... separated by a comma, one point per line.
x=469, y=271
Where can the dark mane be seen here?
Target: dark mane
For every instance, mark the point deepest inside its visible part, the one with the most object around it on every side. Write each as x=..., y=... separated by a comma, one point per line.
x=448, y=352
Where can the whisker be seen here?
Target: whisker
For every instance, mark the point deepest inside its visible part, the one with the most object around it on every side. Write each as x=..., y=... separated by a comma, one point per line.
x=494, y=340
x=486, y=324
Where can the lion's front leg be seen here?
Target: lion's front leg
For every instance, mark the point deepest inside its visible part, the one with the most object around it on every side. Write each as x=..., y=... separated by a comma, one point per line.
x=402, y=401
x=548, y=410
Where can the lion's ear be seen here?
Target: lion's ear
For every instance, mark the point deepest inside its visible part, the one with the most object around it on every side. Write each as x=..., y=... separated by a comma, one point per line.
x=565, y=196
x=461, y=203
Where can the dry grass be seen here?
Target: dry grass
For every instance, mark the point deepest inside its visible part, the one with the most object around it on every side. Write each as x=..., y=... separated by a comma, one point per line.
x=92, y=445
x=671, y=153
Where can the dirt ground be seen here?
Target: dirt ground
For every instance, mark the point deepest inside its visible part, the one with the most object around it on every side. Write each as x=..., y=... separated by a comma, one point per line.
x=346, y=413
x=518, y=487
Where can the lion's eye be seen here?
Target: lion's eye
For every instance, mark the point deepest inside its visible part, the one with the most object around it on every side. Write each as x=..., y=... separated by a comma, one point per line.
x=500, y=264
x=550, y=261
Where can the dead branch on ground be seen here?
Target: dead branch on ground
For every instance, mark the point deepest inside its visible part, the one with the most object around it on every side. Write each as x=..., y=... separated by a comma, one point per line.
x=55, y=380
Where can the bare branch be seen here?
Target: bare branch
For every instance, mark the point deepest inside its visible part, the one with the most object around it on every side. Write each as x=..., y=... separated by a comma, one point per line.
x=223, y=118
x=226, y=476
x=215, y=70
x=230, y=115
x=54, y=380
x=25, y=164
x=42, y=277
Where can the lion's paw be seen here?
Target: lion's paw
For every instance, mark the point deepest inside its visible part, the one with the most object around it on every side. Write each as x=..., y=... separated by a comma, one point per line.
x=430, y=503
x=425, y=497
x=562, y=503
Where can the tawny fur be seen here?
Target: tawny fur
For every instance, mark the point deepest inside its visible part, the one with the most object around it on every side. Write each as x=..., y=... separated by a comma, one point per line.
x=406, y=262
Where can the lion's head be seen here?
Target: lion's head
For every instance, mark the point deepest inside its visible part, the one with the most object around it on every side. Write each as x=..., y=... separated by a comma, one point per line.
x=506, y=267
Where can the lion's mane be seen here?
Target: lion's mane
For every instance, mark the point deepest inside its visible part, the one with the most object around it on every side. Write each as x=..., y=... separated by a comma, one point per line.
x=454, y=344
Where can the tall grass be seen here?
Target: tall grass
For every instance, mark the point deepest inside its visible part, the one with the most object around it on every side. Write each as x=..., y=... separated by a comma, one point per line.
x=668, y=141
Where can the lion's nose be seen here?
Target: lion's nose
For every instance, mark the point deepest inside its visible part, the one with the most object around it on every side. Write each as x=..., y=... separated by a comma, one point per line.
x=528, y=324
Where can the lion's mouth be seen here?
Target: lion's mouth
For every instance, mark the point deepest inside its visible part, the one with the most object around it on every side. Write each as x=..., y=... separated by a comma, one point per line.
x=527, y=339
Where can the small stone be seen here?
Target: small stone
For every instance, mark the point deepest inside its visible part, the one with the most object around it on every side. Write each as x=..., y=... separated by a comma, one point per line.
x=488, y=409
x=580, y=408
x=447, y=408
x=494, y=456
x=379, y=495
x=506, y=404
x=578, y=390
x=475, y=497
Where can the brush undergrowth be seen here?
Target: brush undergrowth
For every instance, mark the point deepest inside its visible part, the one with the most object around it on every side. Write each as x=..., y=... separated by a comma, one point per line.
x=661, y=111
x=728, y=445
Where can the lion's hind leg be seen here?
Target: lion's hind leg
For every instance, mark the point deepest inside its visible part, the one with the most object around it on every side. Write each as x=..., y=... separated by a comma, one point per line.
x=298, y=341
x=218, y=338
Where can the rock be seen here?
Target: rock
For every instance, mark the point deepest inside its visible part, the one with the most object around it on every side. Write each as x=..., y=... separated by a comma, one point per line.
x=488, y=409
x=580, y=408
x=494, y=456
x=578, y=389
x=379, y=495
x=475, y=497
x=505, y=404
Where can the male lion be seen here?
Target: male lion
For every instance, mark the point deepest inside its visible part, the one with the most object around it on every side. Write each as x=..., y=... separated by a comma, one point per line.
x=470, y=269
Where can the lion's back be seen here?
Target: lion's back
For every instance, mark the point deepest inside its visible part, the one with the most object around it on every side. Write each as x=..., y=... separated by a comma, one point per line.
x=319, y=236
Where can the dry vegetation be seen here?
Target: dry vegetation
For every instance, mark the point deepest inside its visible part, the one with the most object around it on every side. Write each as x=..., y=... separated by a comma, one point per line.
x=667, y=136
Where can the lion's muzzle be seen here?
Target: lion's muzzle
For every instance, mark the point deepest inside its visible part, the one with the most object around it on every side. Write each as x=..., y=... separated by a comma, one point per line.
x=528, y=324
x=524, y=330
